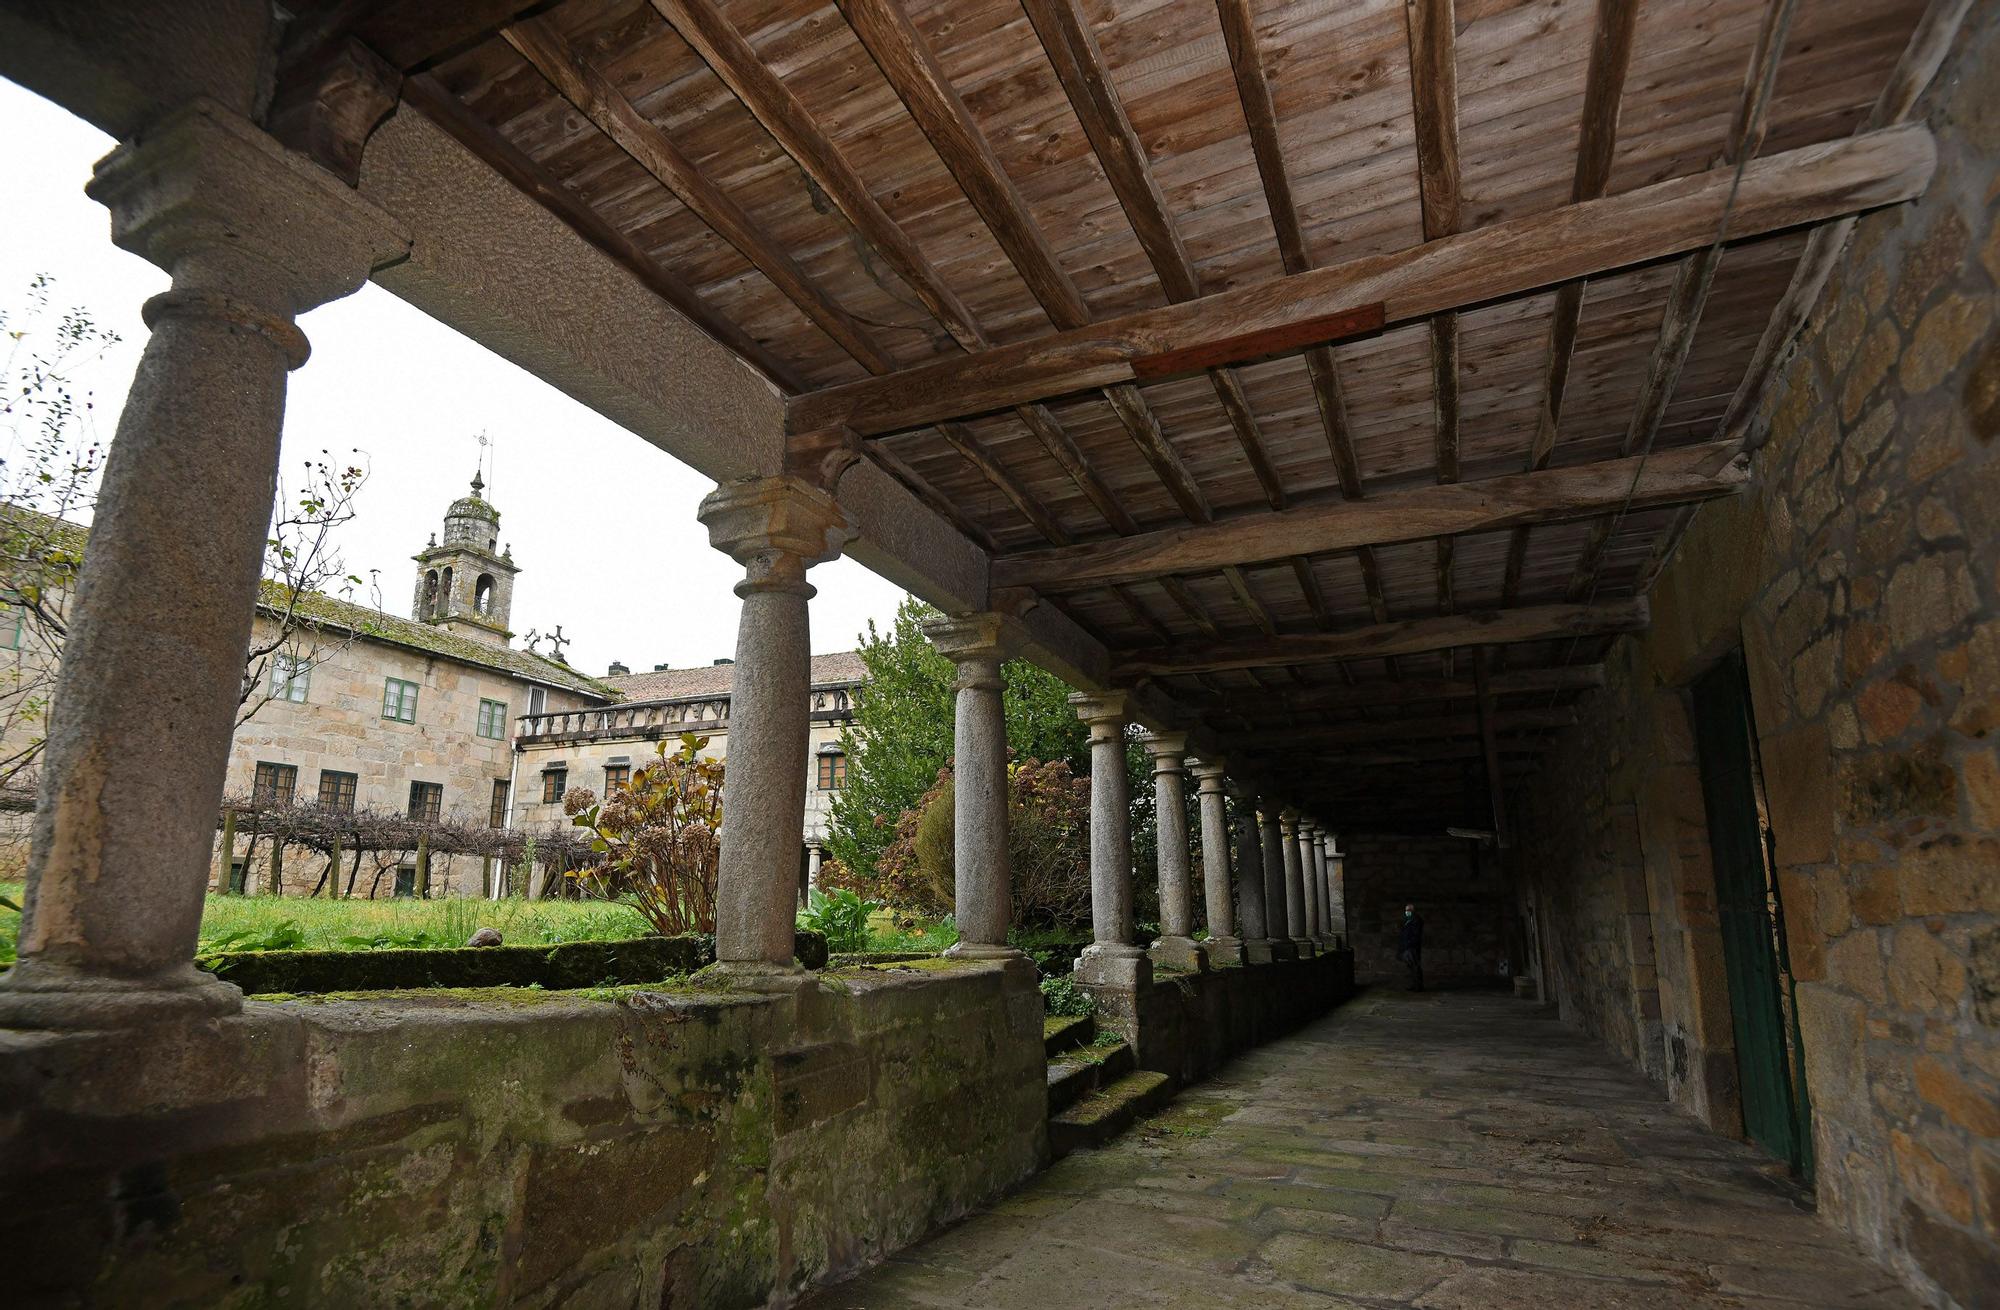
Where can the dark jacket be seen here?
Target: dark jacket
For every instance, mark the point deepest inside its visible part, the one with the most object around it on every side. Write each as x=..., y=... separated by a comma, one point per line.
x=1413, y=934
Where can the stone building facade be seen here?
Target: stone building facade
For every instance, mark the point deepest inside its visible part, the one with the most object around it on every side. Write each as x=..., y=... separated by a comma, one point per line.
x=1859, y=584
x=564, y=749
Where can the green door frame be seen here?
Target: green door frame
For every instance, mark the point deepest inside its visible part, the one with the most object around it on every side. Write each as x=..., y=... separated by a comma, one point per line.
x=1763, y=1010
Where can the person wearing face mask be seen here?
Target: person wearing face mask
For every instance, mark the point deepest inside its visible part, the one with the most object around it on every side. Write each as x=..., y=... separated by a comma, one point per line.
x=1411, y=952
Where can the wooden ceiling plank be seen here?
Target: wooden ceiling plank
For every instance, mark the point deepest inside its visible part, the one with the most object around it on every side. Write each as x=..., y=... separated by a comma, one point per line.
x=1597, y=143
x=1676, y=476
x=425, y=94
x=730, y=55
x=594, y=96
x=1401, y=637
x=885, y=30
x=1416, y=691
x=1427, y=729
x=1693, y=276
x=1498, y=261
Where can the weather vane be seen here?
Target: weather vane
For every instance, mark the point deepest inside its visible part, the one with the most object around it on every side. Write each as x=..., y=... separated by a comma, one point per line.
x=487, y=449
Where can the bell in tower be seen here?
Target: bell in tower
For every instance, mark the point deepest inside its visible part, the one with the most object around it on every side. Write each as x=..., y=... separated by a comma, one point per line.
x=465, y=583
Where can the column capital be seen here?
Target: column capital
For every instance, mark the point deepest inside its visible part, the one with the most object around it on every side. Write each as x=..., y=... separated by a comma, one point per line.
x=1102, y=710
x=1288, y=821
x=975, y=643
x=1167, y=749
x=249, y=230
x=776, y=527
x=1211, y=774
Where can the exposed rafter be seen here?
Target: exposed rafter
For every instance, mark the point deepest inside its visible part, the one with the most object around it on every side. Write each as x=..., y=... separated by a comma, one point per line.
x=1807, y=185
x=1403, y=637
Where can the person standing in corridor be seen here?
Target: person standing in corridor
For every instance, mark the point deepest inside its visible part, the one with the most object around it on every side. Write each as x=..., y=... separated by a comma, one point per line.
x=1411, y=952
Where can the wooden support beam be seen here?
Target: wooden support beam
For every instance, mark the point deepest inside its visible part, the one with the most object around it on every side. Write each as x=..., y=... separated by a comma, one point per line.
x=1603, y=93
x=1382, y=731
x=328, y=108
x=885, y=30
x=1393, y=693
x=1402, y=637
x=1692, y=279
x=1491, y=720
x=1670, y=477
x=429, y=97
x=596, y=98
x=1807, y=185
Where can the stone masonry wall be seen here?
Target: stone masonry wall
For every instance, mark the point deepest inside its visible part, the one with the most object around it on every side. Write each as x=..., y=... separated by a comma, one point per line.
x=660, y=1149
x=1861, y=577
x=1465, y=902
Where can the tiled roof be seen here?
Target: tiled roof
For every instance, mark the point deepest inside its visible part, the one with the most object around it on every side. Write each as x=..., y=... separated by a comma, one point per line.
x=69, y=539
x=375, y=625
x=841, y=668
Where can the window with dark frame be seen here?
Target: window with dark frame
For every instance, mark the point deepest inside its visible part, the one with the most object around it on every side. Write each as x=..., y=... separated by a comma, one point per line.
x=832, y=771
x=336, y=791
x=616, y=777
x=291, y=678
x=426, y=801
x=274, y=784
x=497, y=816
x=554, y=783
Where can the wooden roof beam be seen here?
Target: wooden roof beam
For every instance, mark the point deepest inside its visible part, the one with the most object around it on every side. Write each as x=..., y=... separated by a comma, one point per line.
x=1387, y=731
x=885, y=30
x=1433, y=42
x=1402, y=637
x=1807, y=185
x=1386, y=693
x=1670, y=477
x=1597, y=140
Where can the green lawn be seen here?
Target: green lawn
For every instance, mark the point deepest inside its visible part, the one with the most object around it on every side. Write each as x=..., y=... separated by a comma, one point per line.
x=264, y=922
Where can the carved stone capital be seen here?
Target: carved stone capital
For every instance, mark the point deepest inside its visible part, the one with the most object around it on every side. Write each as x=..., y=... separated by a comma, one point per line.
x=1106, y=713
x=248, y=229
x=776, y=528
x=974, y=643
x=1168, y=750
x=1211, y=774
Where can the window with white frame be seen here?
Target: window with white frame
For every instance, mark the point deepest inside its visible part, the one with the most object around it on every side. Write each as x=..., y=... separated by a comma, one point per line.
x=291, y=678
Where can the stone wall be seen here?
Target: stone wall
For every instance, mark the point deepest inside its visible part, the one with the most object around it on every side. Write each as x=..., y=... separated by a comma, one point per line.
x=1190, y=1024
x=661, y=1149
x=1861, y=577
x=1466, y=904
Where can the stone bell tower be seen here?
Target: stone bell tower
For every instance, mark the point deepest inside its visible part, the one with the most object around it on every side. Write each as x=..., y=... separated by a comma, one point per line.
x=465, y=583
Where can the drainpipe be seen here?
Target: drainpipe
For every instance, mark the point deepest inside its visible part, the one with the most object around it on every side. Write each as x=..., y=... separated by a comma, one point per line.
x=513, y=780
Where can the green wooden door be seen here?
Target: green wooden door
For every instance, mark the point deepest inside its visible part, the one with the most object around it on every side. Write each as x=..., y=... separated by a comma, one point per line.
x=1747, y=904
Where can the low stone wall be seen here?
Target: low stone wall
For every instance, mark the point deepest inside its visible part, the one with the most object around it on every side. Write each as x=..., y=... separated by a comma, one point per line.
x=1190, y=1024
x=666, y=1148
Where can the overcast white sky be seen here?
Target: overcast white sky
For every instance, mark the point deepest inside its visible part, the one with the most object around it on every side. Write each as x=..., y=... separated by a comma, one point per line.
x=411, y=394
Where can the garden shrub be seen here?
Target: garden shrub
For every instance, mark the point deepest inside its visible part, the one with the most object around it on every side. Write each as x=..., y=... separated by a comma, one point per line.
x=1062, y=997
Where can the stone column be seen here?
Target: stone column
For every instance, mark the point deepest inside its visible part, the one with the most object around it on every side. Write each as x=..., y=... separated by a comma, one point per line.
x=1223, y=945
x=1316, y=882
x=1277, y=924
x=981, y=876
x=1176, y=947
x=1336, y=890
x=1111, y=959
x=1309, y=875
x=1295, y=883
x=1250, y=881
x=777, y=528
x=145, y=702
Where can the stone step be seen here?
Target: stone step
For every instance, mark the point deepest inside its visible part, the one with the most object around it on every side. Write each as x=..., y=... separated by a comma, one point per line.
x=1063, y=1032
x=1102, y=1115
x=1069, y=1081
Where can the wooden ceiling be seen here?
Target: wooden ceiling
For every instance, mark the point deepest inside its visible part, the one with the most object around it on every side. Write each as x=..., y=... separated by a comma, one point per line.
x=1363, y=214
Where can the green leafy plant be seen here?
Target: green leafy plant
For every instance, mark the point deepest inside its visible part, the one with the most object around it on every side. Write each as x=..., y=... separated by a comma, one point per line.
x=841, y=916
x=285, y=935
x=658, y=838
x=1062, y=997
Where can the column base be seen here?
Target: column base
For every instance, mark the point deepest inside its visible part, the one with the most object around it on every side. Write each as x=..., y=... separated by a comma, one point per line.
x=982, y=951
x=756, y=976
x=1223, y=951
x=1181, y=953
x=1113, y=964
x=39, y=994
x=1284, y=948
x=1303, y=948
x=1259, y=950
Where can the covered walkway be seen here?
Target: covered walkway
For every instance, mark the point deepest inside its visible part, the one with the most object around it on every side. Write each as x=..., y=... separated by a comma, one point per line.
x=1443, y=1150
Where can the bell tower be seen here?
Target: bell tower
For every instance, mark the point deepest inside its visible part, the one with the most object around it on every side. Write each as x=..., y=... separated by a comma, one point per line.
x=465, y=583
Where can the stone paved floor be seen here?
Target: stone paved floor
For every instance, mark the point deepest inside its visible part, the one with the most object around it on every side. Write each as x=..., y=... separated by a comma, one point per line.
x=1436, y=1150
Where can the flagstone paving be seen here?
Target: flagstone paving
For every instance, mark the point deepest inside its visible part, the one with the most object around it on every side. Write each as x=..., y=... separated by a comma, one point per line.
x=1436, y=1150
